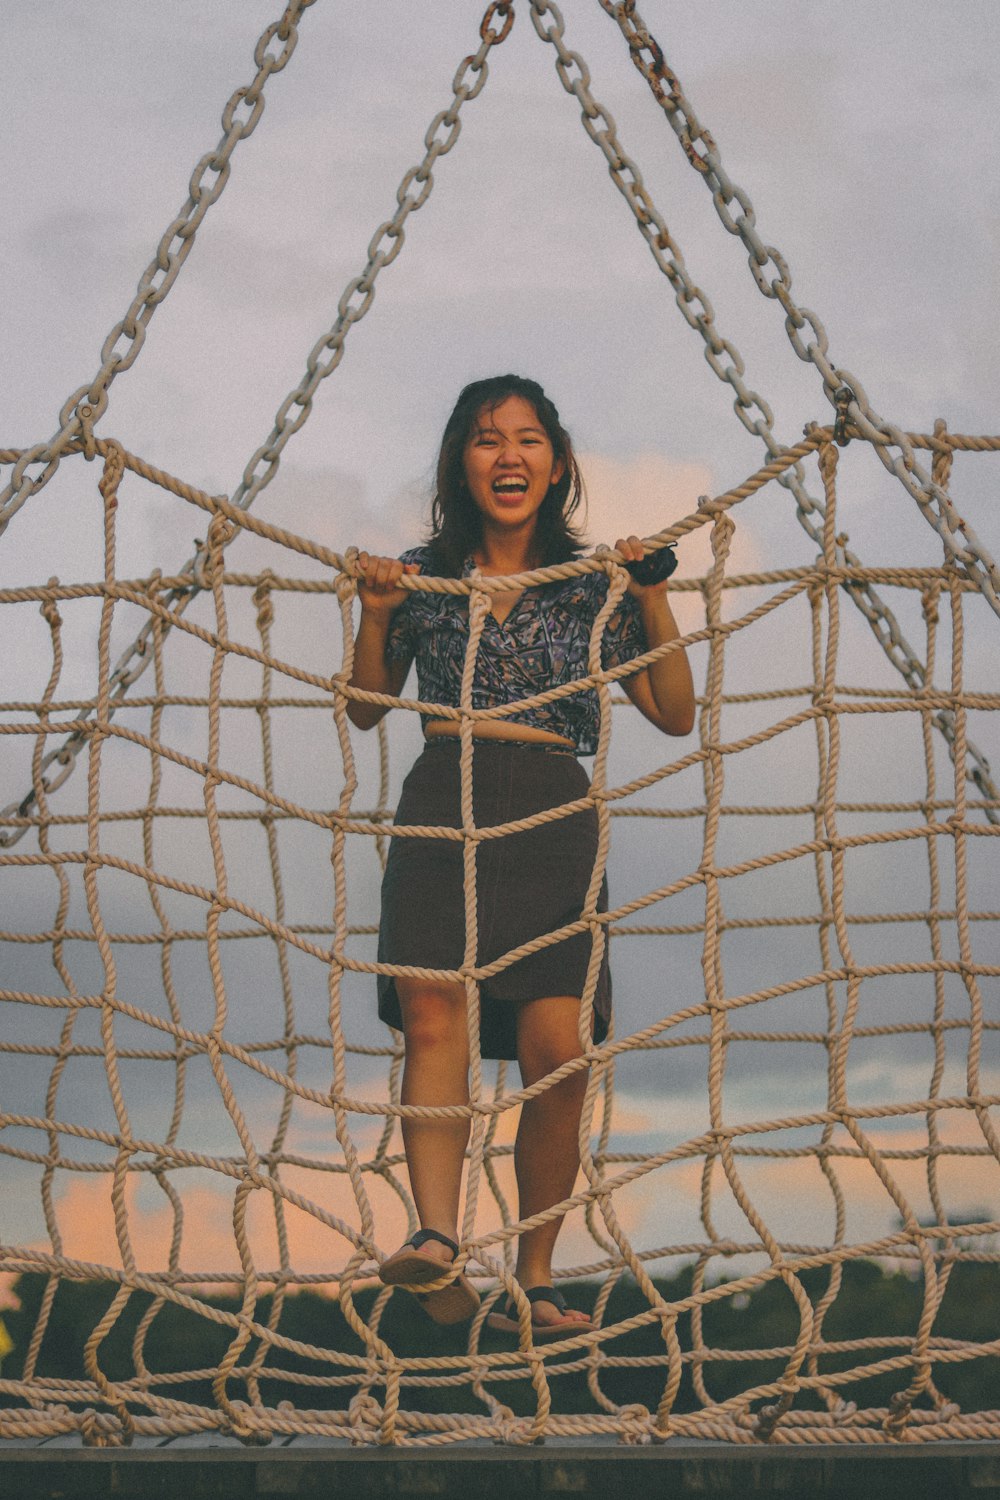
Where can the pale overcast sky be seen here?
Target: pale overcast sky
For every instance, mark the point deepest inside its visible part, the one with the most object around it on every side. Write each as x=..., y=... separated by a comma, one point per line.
x=864, y=136
x=866, y=133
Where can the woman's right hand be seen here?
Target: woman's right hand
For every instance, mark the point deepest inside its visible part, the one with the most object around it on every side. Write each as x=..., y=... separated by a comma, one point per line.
x=378, y=583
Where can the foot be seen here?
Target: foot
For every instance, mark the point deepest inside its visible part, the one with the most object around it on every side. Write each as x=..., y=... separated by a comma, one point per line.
x=548, y=1314
x=426, y=1245
x=550, y=1317
x=434, y=1250
x=426, y=1257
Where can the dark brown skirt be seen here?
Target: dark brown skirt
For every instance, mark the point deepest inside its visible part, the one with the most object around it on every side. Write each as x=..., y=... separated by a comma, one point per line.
x=527, y=883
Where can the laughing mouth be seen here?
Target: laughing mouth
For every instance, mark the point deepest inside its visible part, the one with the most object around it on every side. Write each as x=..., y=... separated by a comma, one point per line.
x=510, y=487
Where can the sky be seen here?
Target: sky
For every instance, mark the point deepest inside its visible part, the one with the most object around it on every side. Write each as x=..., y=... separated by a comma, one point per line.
x=864, y=137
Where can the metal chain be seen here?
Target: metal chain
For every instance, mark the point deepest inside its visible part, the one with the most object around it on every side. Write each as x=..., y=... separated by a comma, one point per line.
x=137, y=657
x=385, y=245
x=751, y=408
x=694, y=305
x=772, y=276
x=130, y=666
x=668, y=256
x=121, y=347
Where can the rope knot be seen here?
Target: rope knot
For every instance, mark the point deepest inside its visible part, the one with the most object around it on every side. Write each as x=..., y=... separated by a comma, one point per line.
x=264, y=601
x=943, y=455
x=114, y=468
x=930, y=600
x=346, y=583
x=479, y=601
x=49, y=609
x=769, y=1416
x=723, y=528
x=221, y=531
x=242, y=1426
x=104, y=1429
x=828, y=460
x=363, y=1413
x=509, y=1429
x=900, y=1408
x=636, y=1425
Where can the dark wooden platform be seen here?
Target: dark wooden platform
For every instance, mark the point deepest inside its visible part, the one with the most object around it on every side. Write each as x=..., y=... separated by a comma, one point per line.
x=190, y=1470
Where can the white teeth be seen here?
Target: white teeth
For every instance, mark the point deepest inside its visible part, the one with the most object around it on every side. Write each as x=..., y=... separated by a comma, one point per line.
x=510, y=486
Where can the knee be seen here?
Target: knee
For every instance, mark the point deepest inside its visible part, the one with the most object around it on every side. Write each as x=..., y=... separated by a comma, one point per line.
x=433, y=1021
x=542, y=1055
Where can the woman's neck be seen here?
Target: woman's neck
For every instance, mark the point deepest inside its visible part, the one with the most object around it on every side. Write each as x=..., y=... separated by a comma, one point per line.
x=499, y=555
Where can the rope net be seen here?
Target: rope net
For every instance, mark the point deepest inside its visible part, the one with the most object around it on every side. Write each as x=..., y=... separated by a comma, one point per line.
x=308, y=1155
x=196, y=1098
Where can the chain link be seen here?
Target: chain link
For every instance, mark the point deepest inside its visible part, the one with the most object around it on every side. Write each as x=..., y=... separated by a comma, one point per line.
x=751, y=408
x=122, y=345
x=128, y=669
x=385, y=245
x=959, y=539
x=694, y=305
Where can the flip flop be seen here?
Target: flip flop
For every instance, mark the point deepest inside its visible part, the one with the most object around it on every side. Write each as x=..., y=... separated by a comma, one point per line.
x=506, y=1322
x=407, y=1267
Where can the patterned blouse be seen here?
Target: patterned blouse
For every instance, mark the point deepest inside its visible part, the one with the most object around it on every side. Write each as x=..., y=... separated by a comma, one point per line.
x=543, y=642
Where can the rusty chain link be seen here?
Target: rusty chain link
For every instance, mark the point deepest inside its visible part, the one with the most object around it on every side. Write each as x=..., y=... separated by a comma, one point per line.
x=842, y=1129
x=387, y=1421
x=694, y=305
x=752, y=409
x=383, y=249
x=385, y=245
x=933, y=499
x=122, y=345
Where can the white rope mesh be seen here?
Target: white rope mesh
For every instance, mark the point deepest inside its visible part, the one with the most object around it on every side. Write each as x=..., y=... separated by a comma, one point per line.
x=168, y=1097
x=308, y=1152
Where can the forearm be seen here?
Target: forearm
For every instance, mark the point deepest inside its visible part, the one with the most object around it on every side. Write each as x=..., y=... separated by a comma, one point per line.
x=371, y=671
x=669, y=677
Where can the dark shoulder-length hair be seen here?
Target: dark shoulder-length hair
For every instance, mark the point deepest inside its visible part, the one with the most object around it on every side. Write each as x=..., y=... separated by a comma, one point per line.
x=456, y=525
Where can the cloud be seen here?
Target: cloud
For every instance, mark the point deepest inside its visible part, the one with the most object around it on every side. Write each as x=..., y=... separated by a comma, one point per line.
x=528, y=257
x=644, y=494
x=797, y=1204
x=659, y=1209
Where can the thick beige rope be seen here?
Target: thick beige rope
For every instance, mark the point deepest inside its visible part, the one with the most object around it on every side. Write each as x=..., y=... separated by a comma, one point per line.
x=841, y=1135
x=104, y=1411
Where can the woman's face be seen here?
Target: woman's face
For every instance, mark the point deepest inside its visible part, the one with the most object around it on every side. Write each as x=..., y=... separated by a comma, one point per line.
x=509, y=465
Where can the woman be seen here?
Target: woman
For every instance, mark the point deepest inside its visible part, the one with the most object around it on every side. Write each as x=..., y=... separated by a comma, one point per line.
x=507, y=489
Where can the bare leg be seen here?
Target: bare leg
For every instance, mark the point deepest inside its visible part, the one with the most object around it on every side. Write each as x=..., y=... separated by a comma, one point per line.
x=436, y=1071
x=547, y=1153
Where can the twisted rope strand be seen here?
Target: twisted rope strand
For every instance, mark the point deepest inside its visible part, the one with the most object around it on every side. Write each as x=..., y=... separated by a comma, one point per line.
x=848, y=1132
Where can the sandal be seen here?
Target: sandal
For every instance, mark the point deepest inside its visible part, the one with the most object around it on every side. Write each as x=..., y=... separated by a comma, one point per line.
x=407, y=1267
x=506, y=1322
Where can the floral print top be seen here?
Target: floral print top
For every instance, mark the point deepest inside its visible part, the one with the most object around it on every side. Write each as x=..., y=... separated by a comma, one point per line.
x=542, y=643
